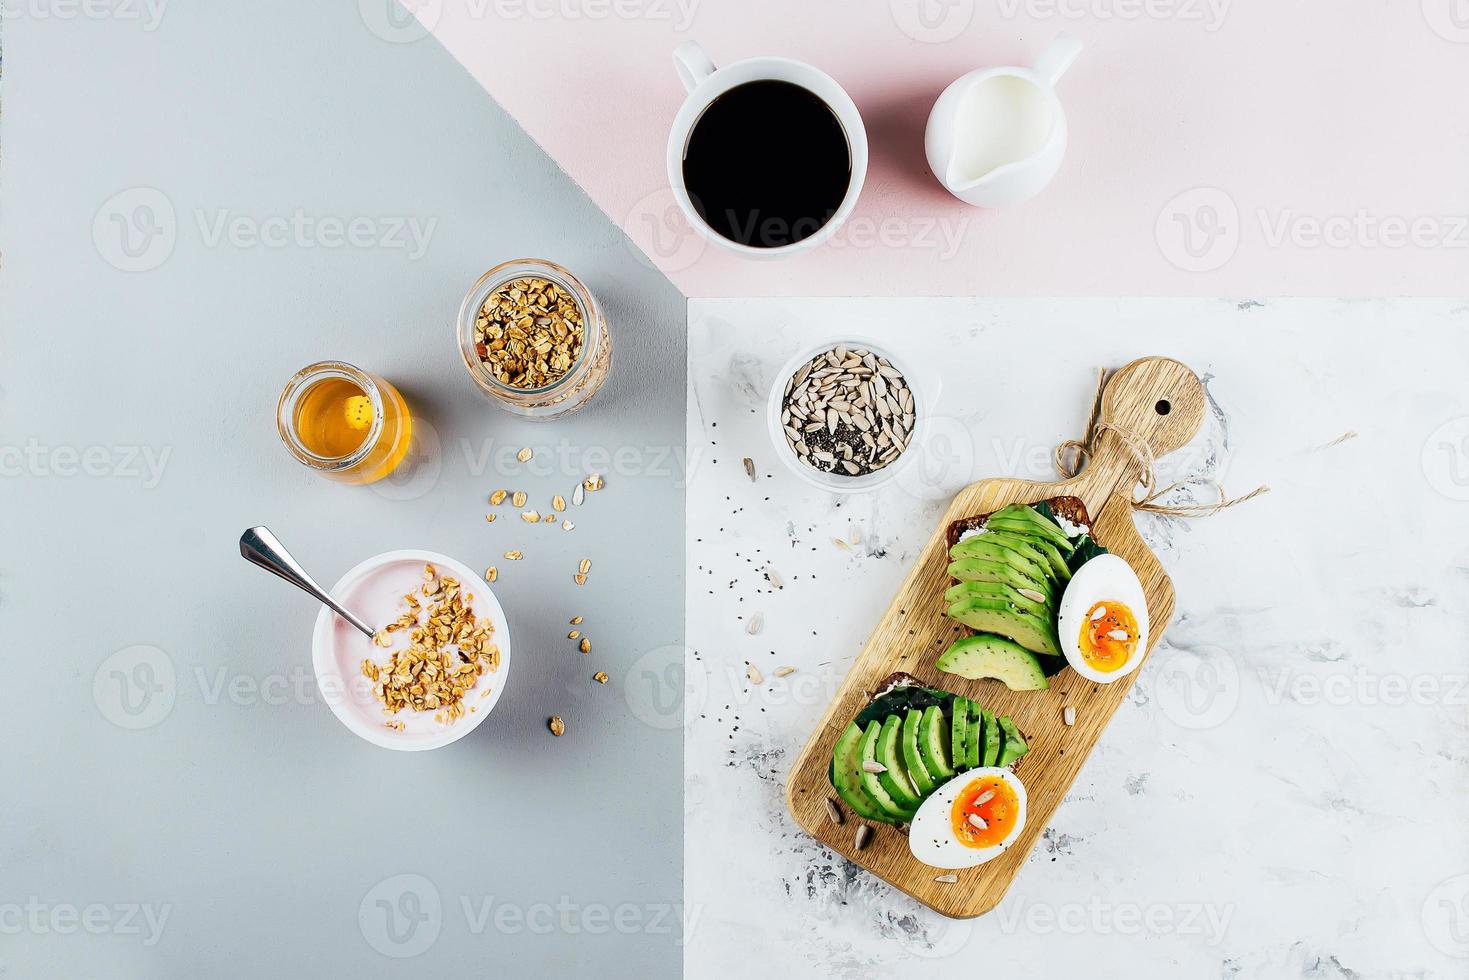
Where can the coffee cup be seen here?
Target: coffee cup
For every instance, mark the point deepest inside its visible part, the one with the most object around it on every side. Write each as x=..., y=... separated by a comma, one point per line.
x=766, y=156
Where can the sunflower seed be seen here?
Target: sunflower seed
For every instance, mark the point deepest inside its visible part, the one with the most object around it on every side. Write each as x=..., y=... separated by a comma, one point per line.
x=1099, y=613
x=946, y=879
x=773, y=577
x=1032, y=595
x=984, y=797
x=1068, y=715
x=755, y=623
x=864, y=834
x=833, y=812
x=784, y=671
x=978, y=822
x=1118, y=635
x=873, y=767
x=854, y=534
x=750, y=463
x=753, y=673
x=578, y=495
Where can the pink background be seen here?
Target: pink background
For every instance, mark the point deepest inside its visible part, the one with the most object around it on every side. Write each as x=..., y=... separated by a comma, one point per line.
x=1290, y=113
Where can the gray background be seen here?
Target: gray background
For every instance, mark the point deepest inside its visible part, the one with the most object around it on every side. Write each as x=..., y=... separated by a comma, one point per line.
x=253, y=818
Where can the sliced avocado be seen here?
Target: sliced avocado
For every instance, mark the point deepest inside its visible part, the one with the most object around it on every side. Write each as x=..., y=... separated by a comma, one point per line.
x=1042, y=553
x=994, y=657
x=1035, y=634
x=1014, y=746
x=1021, y=516
x=846, y=776
x=1055, y=557
x=975, y=733
x=991, y=740
x=895, y=777
x=1002, y=573
x=933, y=743
x=897, y=812
x=997, y=590
x=912, y=757
x=983, y=546
x=959, y=733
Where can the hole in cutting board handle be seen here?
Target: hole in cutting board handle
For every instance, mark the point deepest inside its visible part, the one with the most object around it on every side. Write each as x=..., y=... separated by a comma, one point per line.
x=1163, y=407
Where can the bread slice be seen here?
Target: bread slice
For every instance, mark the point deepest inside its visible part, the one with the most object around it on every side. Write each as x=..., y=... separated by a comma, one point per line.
x=1068, y=507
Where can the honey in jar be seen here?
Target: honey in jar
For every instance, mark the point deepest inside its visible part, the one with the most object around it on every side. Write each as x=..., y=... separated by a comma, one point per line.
x=346, y=424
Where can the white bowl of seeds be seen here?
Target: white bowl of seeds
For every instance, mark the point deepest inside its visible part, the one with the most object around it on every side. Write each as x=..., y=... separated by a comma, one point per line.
x=842, y=415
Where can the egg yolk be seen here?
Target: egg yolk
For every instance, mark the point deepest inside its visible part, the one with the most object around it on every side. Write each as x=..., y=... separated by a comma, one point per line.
x=1108, y=636
x=994, y=807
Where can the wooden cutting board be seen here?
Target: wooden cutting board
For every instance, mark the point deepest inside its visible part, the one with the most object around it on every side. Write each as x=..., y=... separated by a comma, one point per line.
x=1162, y=403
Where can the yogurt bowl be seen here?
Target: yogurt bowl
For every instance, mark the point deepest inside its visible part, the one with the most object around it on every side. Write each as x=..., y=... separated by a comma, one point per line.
x=375, y=590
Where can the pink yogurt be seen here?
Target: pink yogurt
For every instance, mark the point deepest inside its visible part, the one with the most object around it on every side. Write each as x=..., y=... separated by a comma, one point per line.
x=374, y=590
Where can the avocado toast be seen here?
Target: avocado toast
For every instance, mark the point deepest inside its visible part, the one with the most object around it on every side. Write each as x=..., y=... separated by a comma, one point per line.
x=1011, y=567
x=908, y=742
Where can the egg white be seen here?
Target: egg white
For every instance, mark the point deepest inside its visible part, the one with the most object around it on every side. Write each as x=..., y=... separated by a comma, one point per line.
x=931, y=836
x=1106, y=578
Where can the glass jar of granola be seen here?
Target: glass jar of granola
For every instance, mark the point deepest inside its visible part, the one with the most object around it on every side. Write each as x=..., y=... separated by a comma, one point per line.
x=534, y=339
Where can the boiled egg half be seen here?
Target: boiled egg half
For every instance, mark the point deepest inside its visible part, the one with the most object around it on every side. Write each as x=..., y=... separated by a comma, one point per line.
x=1103, y=620
x=969, y=820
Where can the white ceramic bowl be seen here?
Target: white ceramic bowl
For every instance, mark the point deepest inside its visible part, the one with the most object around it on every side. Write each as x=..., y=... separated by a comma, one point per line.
x=922, y=384
x=374, y=590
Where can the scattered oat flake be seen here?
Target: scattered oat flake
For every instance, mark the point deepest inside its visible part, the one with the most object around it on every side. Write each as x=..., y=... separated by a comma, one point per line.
x=497, y=498
x=558, y=503
x=557, y=726
x=854, y=535
x=513, y=556
x=549, y=519
x=593, y=483
x=525, y=454
x=841, y=544
x=491, y=573
x=753, y=673
x=579, y=578
x=750, y=468
x=585, y=566
x=753, y=626
x=568, y=526
x=531, y=516
x=585, y=646
x=573, y=634
x=490, y=518
x=600, y=677
x=784, y=671
x=518, y=499
x=576, y=621
x=381, y=639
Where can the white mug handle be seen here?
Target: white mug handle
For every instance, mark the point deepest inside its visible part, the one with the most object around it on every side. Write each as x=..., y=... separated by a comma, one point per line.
x=692, y=63
x=1057, y=57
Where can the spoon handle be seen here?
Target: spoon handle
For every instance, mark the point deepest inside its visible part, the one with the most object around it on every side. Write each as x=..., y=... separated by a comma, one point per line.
x=259, y=547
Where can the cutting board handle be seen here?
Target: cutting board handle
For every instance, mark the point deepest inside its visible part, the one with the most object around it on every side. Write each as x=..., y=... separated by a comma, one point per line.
x=1157, y=400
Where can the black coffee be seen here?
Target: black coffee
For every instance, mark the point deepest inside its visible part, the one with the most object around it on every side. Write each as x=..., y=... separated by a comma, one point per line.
x=767, y=164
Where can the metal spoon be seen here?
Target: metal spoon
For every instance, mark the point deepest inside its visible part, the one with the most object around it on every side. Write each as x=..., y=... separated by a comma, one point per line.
x=259, y=547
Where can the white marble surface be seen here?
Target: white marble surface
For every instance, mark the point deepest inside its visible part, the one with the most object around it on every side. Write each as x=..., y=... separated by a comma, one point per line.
x=1281, y=795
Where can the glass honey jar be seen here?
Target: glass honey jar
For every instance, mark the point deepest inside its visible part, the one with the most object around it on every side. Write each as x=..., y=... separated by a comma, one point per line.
x=346, y=424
